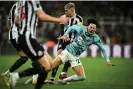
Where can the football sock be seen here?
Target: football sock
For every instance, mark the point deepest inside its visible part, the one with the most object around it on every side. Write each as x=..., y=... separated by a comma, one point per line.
x=66, y=66
x=28, y=72
x=41, y=78
x=54, y=71
x=18, y=63
x=74, y=78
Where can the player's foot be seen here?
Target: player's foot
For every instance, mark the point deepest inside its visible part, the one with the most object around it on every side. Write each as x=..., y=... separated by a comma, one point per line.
x=46, y=81
x=29, y=81
x=5, y=78
x=62, y=81
x=51, y=81
x=13, y=79
x=34, y=79
x=62, y=76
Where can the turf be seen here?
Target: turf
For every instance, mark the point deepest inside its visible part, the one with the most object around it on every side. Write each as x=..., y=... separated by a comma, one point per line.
x=98, y=75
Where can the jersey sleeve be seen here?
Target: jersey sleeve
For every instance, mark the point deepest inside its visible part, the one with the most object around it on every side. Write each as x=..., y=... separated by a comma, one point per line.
x=100, y=45
x=72, y=29
x=36, y=5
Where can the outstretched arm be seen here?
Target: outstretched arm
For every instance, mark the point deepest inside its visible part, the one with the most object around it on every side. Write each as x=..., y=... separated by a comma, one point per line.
x=100, y=45
x=73, y=28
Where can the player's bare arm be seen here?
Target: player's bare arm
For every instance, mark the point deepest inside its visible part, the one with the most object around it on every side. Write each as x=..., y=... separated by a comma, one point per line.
x=45, y=17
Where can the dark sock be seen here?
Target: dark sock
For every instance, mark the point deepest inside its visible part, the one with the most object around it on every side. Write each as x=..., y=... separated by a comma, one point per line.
x=41, y=79
x=18, y=63
x=66, y=66
x=28, y=72
x=54, y=71
x=42, y=74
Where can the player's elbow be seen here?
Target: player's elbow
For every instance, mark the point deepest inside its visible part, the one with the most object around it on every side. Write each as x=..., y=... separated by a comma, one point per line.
x=41, y=17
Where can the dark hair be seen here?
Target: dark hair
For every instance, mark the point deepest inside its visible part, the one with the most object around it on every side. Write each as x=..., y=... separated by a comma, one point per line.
x=70, y=5
x=92, y=20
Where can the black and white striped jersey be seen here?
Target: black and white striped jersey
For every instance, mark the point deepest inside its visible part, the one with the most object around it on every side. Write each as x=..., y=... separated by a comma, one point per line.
x=28, y=19
x=76, y=20
x=13, y=32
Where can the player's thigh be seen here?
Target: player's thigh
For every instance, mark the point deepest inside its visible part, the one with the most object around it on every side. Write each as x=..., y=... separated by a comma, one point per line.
x=48, y=57
x=79, y=70
x=56, y=62
x=45, y=63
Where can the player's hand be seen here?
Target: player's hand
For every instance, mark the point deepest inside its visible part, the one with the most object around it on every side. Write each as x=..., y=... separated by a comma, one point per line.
x=65, y=38
x=109, y=63
x=64, y=19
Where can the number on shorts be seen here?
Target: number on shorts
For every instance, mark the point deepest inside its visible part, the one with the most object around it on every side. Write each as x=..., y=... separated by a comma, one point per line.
x=78, y=61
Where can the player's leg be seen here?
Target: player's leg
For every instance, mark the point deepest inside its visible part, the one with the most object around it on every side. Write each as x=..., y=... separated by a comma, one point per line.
x=61, y=58
x=79, y=76
x=63, y=74
x=48, y=57
x=36, y=53
x=77, y=67
x=42, y=74
x=36, y=68
x=43, y=59
x=54, y=71
x=64, y=71
x=15, y=66
x=56, y=62
x=17, y=75
x=23, y=58
x=33, y=79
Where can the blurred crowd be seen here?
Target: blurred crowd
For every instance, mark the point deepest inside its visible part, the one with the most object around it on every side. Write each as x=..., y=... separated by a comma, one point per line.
x=115, y=18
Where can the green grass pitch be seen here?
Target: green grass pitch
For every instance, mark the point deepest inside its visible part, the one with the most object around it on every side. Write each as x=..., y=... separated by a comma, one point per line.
x=98, y=75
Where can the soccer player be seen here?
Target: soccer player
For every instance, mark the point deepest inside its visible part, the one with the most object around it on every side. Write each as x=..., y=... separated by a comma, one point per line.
x=27, y=15
x=84, y=37
x=75, y=20
x=13, y=37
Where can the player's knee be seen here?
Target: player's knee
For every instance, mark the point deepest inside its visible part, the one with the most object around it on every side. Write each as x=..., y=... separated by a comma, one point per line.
x=52, y=66
x=48, y=69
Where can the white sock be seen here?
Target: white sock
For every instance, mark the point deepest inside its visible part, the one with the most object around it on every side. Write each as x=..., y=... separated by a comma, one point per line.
x=35, y=77
x=52, y=78
x=74, y=78
x=63, y=72
x=16, y=75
